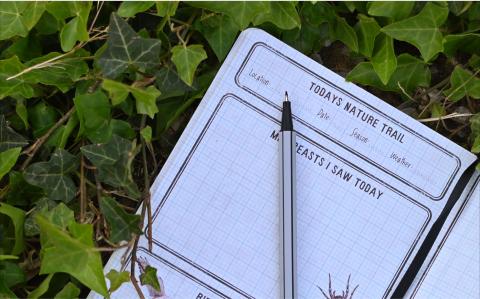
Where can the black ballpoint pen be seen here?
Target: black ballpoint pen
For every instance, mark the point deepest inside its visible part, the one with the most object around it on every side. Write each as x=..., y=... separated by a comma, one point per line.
x=288, y=225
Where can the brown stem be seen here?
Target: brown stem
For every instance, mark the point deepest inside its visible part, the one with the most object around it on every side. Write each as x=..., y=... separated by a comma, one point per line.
x=132, y=269
x=146, y=189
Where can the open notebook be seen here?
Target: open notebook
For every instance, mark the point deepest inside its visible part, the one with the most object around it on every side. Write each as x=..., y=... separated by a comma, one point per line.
x=370, y=183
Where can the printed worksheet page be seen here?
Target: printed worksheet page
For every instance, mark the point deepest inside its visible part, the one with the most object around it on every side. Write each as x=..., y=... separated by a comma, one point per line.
x=452, y=269
x=370, y=182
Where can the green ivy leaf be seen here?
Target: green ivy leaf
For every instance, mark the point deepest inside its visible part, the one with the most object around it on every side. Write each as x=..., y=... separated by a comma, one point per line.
x=42, y=288
x=69, y=291
x=16, y=86
x=113, y=161
x=48, y=24
x=123, y=226
x=18, y=218
x=282, y=14
x=61, y=135
x=168, y=81
x=242, y=12
x=146, y=133
x=474, y=62
x=396, y=10
x=8, y=159
x=384, y=60
x=76, y=250
x=166, y=8
x=94, y=114
x=117, y=279
x=421, y=30
x=126, y=48
x=42, y=118
x=76, y=28
x=53, y=176
x=20, y=193
x=409, y=74
x=149, y=277
x=62, y=73
x=17, y=18
x=367, y=30
x=60, y=216
x=345, y=33
x=476, y=145
x=187, y=59
x=8, y=137
x=437, y=110
x=220, y=32
x=145, y=99
x=11, y=274
x=25, y=48
x=462, y=83
x=129, y=9
x=467, y=43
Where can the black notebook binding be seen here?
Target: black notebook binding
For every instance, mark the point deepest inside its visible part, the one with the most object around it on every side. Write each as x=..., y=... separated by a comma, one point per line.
x=432, y=235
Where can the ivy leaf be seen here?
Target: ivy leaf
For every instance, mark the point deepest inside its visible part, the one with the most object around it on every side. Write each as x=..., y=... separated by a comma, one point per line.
x=187, y=59
x=62, y=73
x=384, y=60
x=367, y=30
x=126, y=48
x=421, y=30
x=166, y=8
x=52, y=176
x=146, y=133
x=16, y=86
x=60, y=136
x=468, y=43
x=69, y=291
x=476, y=145
x=145, y=99
x=42, y=118
x=60, y=216
x=113, y=161
x=18, y=218
x=117, y=279
x=20, y=193
x=8, y=159
x=396, y=10
x=11, y=274
x=242, y=12
x=94, y=114
x=33, y=13
x=463, y=83
x=409, y=74
x=76, y=28
x=345, y=33
x=282, y=14
x=123, y=226
x=129, y=9
x=149, y=277
x=42, y=288
x=76, y=251
x=220, y=32
x=168, y=81
x=17, y=18
x=8, y=137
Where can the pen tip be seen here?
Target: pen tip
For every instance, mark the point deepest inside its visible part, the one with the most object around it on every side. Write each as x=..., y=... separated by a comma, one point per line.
x=286, y=96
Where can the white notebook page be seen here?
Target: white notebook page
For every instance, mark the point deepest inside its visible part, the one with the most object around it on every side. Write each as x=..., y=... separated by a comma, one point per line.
x=371, y=181
x=452, y=269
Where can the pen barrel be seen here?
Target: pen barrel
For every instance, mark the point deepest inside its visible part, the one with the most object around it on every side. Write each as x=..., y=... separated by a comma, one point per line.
x=288, y=213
